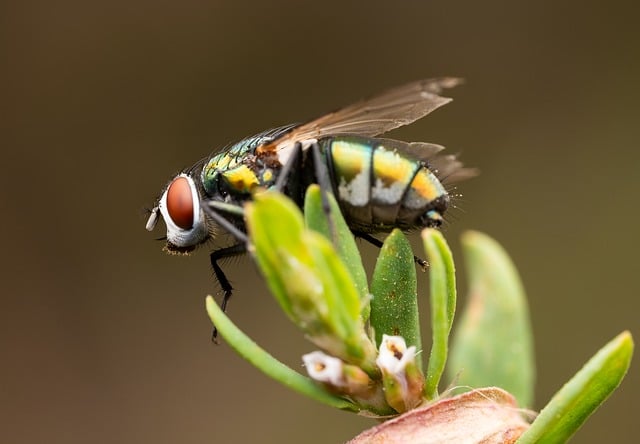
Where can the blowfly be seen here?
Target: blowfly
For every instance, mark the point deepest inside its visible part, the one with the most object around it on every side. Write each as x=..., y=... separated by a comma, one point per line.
x=379, y=183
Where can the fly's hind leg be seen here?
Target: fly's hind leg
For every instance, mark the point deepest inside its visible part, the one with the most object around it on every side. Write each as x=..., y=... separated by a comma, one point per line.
x=378, y=243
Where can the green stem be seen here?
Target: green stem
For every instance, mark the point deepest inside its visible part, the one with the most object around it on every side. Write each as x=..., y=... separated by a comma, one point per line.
x=269, y=365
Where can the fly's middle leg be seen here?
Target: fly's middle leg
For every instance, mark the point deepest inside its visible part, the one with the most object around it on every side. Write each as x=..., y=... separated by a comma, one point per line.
x=324, y=181
x=287, y=169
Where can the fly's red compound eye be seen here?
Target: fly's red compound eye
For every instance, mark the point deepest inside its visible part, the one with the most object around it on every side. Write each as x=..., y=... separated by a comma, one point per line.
x=180, y=203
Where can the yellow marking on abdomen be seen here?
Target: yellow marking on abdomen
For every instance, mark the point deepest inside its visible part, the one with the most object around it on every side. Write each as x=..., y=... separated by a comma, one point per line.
x=426, y=185
x=390, y=167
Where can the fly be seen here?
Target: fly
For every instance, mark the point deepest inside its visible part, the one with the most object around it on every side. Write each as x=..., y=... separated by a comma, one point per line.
x=380, y=184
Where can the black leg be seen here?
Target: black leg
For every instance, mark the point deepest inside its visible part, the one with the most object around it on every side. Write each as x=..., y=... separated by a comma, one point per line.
x=215, y=211
x=218, y=255
x=322, y=175
x=378, y=243
x=215, y=214
x=286, y=169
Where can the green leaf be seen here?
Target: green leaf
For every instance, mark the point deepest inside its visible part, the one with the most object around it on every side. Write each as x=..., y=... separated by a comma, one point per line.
x=442, y=276
x=394, y=306
x=309, y=280
x=492, y=344
x=269, y=365
x=583, y=394
x=316, y=219
x=339, y=296
x=276, y=226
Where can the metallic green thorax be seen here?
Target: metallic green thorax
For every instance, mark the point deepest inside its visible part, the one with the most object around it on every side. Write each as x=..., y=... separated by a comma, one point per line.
x=233, y=173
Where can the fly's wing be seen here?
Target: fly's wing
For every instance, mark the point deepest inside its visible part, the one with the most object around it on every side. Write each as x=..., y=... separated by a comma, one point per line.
x=371, y=117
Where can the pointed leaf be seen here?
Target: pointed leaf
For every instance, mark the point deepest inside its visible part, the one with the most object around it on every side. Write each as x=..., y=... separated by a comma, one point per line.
x=271, y=239
x=442, y=277
x=308, y=278
x=316, y=219
x=394, y=305
x=493, y=344
x=583, y=394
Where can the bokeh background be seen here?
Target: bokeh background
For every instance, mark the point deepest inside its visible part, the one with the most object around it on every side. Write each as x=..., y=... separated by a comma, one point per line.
x=105, y=338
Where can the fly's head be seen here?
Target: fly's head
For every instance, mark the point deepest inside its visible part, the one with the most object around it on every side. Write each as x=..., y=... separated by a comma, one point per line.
x=179, y=206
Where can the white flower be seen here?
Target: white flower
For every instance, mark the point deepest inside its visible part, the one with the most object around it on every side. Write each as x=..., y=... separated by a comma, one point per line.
x=324, y=368
x=394, y=356
x=402, y=379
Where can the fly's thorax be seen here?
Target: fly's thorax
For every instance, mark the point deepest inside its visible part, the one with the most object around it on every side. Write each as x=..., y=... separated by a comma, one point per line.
x=234, y=173
x=214, y=168
x=184, y=218
x=233, y=178
x=380, y=187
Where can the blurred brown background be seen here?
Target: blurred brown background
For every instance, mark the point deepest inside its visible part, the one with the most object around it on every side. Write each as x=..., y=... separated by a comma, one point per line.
x=105, y=338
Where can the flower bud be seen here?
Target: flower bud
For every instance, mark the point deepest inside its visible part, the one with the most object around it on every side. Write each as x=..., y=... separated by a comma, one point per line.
x=403, y=382
x=339, y=377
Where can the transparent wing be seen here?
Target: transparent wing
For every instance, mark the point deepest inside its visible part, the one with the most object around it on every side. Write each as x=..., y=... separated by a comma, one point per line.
x=377, y=115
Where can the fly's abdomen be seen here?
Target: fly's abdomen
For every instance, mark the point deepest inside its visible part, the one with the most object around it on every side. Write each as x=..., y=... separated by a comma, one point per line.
x=380, y=188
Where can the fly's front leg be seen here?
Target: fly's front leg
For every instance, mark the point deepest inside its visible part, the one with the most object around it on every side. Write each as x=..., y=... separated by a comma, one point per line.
x=216, y=256
x=214, y=210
